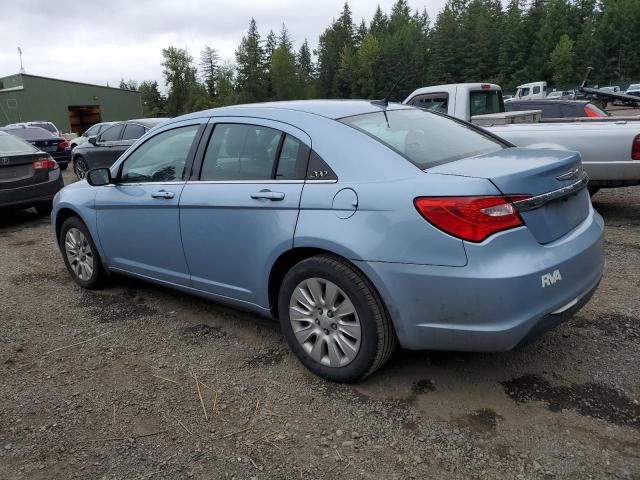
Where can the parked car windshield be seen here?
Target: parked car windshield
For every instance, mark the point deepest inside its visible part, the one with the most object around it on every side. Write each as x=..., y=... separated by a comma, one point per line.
x=10, y=145
x=424, y=138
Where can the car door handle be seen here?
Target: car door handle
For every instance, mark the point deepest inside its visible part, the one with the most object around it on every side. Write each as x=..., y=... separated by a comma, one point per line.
x=268, y=194
x=162, y=194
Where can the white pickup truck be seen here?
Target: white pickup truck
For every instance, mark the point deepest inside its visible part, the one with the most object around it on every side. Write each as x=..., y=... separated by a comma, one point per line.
x=610, y=148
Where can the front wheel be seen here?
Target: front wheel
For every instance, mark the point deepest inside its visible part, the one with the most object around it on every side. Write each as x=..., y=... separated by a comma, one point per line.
x=80, y=254
x=334, y=320
x=80, y=167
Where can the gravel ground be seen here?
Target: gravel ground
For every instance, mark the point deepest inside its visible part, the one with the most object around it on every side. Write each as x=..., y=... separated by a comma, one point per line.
x=114, y=384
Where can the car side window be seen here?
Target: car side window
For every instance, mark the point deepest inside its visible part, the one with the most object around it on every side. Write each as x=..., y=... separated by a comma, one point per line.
x=92, y=131
x=133, y=131
x=525, y=91
x=293, y=159
x=241, y=152
x=161, y=158
x=536, y=89
x=111, y=134
x=438, y=102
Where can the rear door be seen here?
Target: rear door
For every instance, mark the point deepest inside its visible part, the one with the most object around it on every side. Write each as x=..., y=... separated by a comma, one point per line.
x=138, y=218
x=238, y=213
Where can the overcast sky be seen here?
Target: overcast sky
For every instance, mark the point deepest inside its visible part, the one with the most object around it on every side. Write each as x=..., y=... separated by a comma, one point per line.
x=100, y=42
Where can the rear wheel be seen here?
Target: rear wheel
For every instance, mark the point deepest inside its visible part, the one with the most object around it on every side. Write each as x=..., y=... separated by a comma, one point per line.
x=80, y=254
x=334, y=320
x=593, y=190
x=80, y=167
x=63, y=166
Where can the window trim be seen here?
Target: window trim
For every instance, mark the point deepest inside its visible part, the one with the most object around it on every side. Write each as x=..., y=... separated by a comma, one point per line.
x=188, y=162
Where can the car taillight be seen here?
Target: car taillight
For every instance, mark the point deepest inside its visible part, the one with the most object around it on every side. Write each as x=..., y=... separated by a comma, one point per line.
x=45, y=164
x=589, y=111
x=470, y=218
x=63, y=144
x=635, y=148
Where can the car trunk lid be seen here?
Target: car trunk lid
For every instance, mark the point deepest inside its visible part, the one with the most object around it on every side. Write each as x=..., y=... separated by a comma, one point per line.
x=554, y=180
x=18, y=171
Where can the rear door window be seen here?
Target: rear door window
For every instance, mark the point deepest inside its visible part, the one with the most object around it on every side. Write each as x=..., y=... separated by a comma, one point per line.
x=242, y=152
x=133, y=131
x=536, y=90
x=111, y=134
x=438, y=102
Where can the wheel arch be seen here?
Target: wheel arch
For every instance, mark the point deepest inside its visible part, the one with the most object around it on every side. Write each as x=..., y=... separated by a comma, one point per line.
x=62, y=215
x=291, y=257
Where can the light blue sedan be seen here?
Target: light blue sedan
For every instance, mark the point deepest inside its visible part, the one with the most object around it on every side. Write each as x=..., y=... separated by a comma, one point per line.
x=358, y=225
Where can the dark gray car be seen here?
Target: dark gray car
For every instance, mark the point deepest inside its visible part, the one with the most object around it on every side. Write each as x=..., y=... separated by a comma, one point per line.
x=103, y=150
x=29, y=177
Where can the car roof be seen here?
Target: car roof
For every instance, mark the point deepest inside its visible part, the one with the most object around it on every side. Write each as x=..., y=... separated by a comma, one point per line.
x=332, y=109
x=147, y=122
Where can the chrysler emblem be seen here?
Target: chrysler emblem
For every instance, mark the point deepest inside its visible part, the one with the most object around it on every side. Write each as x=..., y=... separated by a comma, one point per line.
x=570, y=175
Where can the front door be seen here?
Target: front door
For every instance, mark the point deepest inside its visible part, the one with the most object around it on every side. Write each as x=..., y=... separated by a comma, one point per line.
x=101, y=152
x=240, y=211
x=138, y=217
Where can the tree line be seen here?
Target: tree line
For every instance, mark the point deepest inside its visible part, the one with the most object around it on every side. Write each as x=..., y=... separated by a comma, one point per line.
x=470, y=40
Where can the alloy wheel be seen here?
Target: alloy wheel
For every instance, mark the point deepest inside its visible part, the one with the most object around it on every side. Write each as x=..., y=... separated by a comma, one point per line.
x=79, y=254
x=325, y=322
x=80, y=166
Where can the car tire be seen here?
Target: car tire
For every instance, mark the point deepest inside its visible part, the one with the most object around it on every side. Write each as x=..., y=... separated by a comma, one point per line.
x=79, y=251
x=44, y=208
x=80, y=167
x=593, y=191
x=331, y=348
x=63, y=166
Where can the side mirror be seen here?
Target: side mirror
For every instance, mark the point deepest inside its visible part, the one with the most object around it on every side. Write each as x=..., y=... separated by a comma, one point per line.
x=99, y=177
x=92, y=140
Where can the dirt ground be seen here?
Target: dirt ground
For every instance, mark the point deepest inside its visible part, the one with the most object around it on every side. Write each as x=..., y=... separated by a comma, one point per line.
x=115, y=385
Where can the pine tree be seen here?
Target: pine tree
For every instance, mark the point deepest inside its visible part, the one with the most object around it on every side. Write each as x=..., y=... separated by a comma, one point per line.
x=305, y=70
x=561, y=61
x=251, y=76
x=283, y=68
x=209, y=68
x=330, y=49
x=152, y=101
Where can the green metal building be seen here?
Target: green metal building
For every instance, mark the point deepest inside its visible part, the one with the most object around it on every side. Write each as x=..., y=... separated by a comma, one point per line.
x=71, y=106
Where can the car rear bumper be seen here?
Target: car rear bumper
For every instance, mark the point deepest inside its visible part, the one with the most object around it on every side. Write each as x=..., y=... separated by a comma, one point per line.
x=29, y=195
x=497, y=301
x=613, y=174
x=62, y=158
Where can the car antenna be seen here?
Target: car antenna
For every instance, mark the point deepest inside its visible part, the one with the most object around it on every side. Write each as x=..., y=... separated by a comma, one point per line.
x=385, y=101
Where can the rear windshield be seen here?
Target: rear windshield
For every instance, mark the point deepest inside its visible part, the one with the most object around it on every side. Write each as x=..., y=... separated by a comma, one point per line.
x=10, y=145
x=46, y=125
x=485, y=102
x=31, y=133
x=424, y=138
